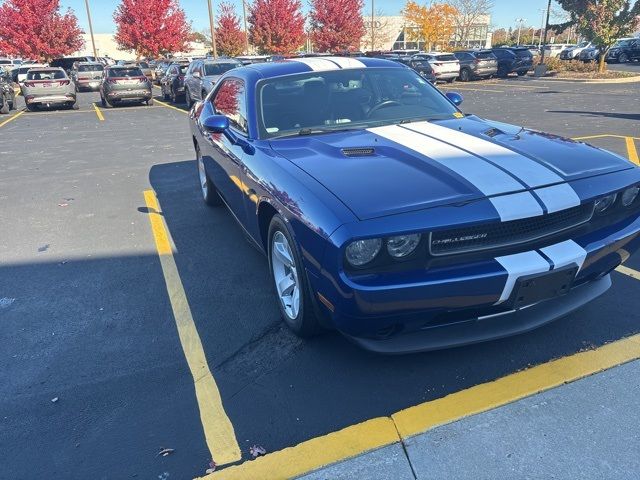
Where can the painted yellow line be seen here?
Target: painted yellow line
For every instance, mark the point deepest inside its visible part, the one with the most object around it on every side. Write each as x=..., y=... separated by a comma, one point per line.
x=631, y=150
x=170, y=106
x=512, y=85
x=605, y=135
x=629, y=271
x=218, y=430
x=381, y=431
x=98, y=112
x=10, y=119
x=471, y=89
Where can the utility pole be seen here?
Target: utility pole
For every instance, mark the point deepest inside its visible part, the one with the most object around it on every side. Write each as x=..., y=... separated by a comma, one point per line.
x=544, y=36
x=213, y=31
x=93, y=42
x=520, y=21
x=541, y=26
x=373, y=28
x=246, y=32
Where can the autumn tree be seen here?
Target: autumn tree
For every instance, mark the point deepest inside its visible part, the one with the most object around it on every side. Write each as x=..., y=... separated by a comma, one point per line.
x=37, y=29
x=602, y=21
x=151, y=28
x=336, y=25
x=230, y=39
x=276, y=26
x=469, y=14
x=432, y=24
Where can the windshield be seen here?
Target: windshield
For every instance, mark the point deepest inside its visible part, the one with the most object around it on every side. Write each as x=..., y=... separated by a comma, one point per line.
x=90, y=68
x=125, y=72
x=143, y=64
x=46, y=75
x=338, y=100
x=218, y=68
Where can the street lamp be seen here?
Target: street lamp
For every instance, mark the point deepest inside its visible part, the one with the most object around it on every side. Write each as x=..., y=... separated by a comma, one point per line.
x=93, y=42
x=246, y=32
x=213, y=31
x=520, y=21
x=372, y=25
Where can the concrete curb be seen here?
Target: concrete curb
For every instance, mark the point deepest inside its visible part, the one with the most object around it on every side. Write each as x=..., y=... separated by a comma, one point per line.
x=633, y=79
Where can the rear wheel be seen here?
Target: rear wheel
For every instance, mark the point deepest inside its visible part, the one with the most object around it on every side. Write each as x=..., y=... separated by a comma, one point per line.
x=623, y=58
x=150, y=102
x=74, y=105
x=5, y=104
x=12, y=105
x=103, y=101
x=290, y=281
x=208, y=189
x=31, y=107
x=465, y=75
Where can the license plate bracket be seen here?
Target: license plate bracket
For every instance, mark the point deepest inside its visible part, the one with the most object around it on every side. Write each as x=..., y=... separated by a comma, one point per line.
x=534, y=288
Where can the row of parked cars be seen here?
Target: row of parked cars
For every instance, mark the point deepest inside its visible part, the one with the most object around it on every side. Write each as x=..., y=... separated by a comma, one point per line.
x=623, y=51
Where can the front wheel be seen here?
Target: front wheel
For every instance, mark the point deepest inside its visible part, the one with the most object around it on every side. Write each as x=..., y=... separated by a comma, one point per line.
x=208, y=189
x=465, y=75
x=5, y=105
x=290, y=281
x=623, y=58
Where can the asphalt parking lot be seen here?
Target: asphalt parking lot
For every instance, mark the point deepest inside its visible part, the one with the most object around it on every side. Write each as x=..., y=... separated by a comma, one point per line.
x=95, y=367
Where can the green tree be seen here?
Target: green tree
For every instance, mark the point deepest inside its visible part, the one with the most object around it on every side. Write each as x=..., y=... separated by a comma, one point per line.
x=602, y=21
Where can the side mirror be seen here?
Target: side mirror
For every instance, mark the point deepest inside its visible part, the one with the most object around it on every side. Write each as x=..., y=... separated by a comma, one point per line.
x=215, y=123
x=454, y=98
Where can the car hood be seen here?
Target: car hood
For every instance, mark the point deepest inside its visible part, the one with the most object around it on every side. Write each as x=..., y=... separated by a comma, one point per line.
x=399, y=168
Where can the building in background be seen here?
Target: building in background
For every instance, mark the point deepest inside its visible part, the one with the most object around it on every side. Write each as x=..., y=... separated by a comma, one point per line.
x=106, y=47
x=392, y=33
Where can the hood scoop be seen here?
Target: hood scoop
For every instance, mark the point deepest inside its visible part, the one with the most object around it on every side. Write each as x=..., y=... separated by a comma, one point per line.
x=358, y=152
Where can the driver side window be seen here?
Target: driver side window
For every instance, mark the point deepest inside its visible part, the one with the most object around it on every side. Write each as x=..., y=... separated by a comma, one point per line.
x=230, y=100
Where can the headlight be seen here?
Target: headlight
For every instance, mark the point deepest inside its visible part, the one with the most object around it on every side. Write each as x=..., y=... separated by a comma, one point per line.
x=361, y=252
x=402, y=245
x=604, y=203
x=629, y=195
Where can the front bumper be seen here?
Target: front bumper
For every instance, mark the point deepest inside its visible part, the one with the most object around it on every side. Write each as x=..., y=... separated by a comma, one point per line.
x=455, y=305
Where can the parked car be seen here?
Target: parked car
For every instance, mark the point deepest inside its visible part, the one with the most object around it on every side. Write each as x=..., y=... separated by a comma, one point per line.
x=146, y=69
x=555, y=49
x=624, y=50
x=388, y=214
x=445, y=65
x=573, y=53
x=202, y=75
x=5, y=62
x=66, y=63
x=122, y=83
x=423, y=67
x=590, y=54
x=513, y=60
x=172, y=84
x=476, y=64
x=87, y=75
x=22, y=71
x=48, y=86
x=7, y=94
x=160, y=70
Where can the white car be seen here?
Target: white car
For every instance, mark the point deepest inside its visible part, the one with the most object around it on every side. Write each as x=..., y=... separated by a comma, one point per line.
x=445, y=65
x=573, y=53
x=24, y=69
x=555, y=49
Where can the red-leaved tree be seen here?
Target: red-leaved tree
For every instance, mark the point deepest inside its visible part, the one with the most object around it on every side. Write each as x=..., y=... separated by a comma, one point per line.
x=152, y=27
x=276, y=26
x=230, y=39
x=36, y=29
x=336, y=25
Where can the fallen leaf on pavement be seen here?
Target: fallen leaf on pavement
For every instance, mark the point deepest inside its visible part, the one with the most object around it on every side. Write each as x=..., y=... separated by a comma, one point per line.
x=257, y=451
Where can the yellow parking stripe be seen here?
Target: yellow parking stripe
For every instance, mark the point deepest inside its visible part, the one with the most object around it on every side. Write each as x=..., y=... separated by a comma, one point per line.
x=631, y=150
x=170, y=106
x=605, y=135
x=98, y=112
x=10, y=119
x=218, y=430
x=378, y=432
x=629, y=272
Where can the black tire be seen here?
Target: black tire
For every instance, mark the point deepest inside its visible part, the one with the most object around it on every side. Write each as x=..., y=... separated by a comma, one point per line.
x=5, y=104
x=103, y=101
x=74, y=105
x=208, y=190
x=623, y=58
x=31, y=107
x=174, y=97
x=451, y=80
x=150, y=102
x=305, y=324
x=465, y=75
x=12, y=105
x=187, y=98
x=203, y=95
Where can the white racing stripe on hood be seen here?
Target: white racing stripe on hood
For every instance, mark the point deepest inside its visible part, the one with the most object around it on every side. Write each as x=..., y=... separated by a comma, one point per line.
x=318, y=64
x=558, y=197
x=346, y=62
x=530, y=172
x=487, y=178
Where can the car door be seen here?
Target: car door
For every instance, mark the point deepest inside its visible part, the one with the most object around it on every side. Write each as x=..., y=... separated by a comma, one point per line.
x=190, y=79
x=634, y=50
x=226, y=150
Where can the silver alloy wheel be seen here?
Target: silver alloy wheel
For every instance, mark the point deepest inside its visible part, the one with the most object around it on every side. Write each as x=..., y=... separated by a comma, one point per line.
x=204, y=186
x=285, y=275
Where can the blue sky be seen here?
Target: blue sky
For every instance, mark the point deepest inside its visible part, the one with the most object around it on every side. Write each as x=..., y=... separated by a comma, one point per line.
x=503, y=15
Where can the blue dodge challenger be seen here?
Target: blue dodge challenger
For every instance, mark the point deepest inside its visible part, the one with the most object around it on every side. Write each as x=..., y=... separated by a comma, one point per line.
x=388, y=214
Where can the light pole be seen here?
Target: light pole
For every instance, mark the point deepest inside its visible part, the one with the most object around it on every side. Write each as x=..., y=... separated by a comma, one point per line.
x=93, y=42
x=544, y=36
x=246, y=32
x=520, y=21
x=213, y=31
x=543, y=10
x=373, y=35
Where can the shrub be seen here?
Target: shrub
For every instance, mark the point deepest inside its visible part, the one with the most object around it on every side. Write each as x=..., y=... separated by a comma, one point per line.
x=554, y=63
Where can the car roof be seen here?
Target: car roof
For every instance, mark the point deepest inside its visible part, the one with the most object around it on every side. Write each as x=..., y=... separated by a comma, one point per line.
x=292, y=66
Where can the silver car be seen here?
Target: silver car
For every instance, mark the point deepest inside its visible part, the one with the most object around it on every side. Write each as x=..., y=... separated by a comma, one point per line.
x=87, y=75
x=202, y=76
x=124, y=83
x=48, y=86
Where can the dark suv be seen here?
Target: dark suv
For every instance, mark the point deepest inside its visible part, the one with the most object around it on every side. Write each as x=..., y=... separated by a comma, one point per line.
x=423, y=67
x=476, y=64
x=513, y=60
x=624, y=50
x=7, y=94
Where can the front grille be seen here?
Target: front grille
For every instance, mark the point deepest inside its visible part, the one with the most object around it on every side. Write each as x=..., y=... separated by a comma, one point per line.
x=494, y=235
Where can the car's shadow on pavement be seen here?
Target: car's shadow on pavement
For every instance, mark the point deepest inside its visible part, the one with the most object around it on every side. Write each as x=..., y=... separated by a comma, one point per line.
x=279, y=390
